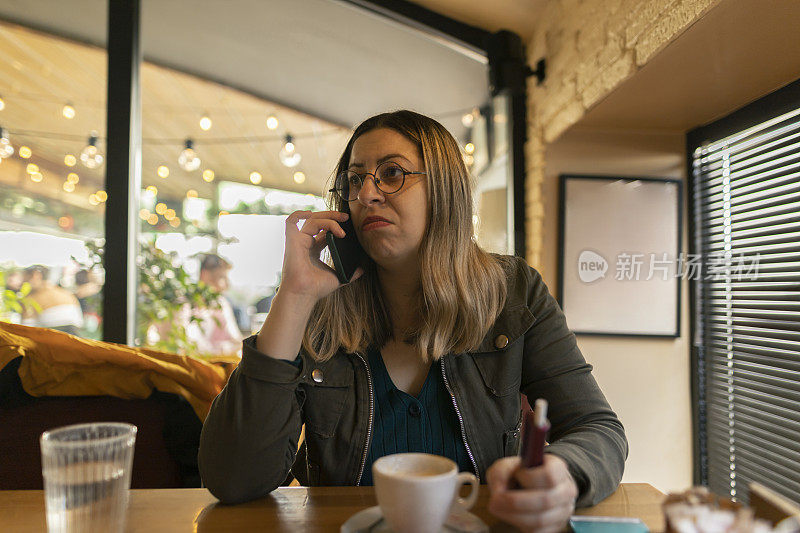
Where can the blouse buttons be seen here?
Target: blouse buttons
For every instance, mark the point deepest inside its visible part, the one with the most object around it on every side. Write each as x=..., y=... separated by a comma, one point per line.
x=316, y=375
x=500, y=342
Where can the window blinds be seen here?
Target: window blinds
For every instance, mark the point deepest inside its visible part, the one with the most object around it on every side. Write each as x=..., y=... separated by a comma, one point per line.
x=747, y=307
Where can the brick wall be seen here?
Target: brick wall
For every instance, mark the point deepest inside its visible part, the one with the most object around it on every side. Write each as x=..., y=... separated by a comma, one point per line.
x=591, y=47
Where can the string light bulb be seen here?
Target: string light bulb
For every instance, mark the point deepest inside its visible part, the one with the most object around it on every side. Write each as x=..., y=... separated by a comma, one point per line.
x=73, y=178
x=68, y=111
x=31, y=168
x=299, y=177
x=272, y=122
x=255, y=178
x=70, y=160
x=188, y=159
x=191, y=193
x=90, y=155
x=208, y=175
x=101, y=195
x=469, y=148
x=25, y=152
x=37, y=177
x=288, y=154
x=68, y=186
x=151, y=189
x=6, y=149
x=205, y=123
x=163, y=171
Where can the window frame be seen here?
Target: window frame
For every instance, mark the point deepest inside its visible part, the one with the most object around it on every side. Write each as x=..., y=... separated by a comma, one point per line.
x=508, y=72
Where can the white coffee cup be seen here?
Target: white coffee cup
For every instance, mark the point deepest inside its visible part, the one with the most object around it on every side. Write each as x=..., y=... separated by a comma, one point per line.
x=417, y=491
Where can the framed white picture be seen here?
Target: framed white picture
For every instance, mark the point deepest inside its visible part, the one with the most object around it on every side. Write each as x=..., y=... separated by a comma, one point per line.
x=619, y=255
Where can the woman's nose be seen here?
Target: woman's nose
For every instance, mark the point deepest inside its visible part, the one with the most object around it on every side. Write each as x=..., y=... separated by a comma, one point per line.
x=370, y=193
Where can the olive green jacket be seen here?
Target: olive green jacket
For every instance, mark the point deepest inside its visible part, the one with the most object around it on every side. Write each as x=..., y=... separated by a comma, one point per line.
x=249, y=441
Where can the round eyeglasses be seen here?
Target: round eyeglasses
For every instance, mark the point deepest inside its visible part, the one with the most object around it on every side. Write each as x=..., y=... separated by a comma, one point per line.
x=389, y=177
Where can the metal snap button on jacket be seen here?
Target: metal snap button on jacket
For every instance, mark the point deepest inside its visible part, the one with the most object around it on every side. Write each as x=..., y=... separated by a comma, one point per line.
x=316, y=375
x=500, y=342
x=414, y=409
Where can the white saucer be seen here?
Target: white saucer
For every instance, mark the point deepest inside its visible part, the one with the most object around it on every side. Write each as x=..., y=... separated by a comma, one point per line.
x=457, y=522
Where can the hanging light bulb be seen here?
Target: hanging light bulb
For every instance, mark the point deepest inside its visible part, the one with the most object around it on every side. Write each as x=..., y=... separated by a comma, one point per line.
x=31, y=168
x=272, y=122
x=25, y=152
x=469, y=148
x=208, y=175
x=73, y=178
x=299, y=177
x=188, y=159
x=6, y=150
x=288, y=154
x=70, y=160
x=205, y=123
x=255, y=178
x=163, y=171
x=90, y=155
x=68, y=111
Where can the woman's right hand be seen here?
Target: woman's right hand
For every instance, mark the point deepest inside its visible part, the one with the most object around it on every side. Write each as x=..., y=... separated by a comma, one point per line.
x=304, y=274
x=305, y=280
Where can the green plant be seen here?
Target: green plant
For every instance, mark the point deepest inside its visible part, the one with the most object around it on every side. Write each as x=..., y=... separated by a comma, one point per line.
x=165, y=299
x=14, y=301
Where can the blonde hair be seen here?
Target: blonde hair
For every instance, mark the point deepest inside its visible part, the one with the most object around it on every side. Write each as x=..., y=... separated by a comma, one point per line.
x=463, y=288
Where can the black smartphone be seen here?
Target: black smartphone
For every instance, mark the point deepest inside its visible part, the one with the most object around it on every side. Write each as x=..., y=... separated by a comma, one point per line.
x=347, y=253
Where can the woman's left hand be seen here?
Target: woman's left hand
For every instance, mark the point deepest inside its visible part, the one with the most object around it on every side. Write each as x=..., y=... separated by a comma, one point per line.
x=545, y=500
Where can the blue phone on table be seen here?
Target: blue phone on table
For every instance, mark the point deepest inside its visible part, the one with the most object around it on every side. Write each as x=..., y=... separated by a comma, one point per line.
x=607, y=524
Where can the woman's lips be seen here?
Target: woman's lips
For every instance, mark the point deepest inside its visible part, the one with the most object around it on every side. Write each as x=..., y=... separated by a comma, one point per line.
x=374, y=222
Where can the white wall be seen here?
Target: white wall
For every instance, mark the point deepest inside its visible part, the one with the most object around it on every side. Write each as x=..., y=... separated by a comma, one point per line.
x=647, y=381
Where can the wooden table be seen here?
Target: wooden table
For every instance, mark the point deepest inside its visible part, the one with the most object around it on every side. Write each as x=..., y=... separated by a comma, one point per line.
x=286, y=509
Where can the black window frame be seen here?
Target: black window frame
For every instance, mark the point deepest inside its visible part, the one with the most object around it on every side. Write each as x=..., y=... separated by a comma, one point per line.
x=508, y=71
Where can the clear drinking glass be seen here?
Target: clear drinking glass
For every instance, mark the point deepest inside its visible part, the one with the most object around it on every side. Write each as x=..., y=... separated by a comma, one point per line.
x=87, y=474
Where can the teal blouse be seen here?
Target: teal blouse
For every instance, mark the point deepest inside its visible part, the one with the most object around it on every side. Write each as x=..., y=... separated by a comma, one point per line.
x=426, y=423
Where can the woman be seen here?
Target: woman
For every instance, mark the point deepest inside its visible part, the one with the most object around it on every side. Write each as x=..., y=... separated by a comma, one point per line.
x=426, y=349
